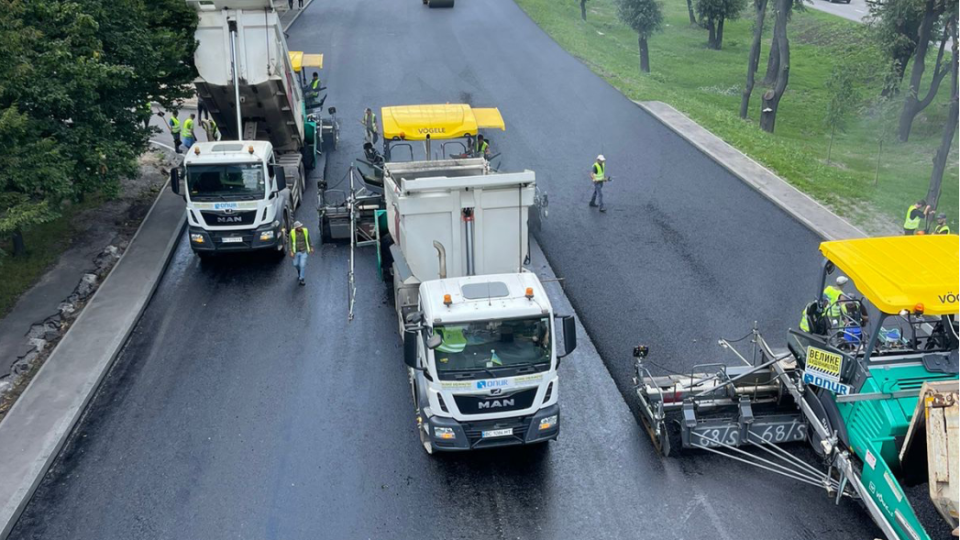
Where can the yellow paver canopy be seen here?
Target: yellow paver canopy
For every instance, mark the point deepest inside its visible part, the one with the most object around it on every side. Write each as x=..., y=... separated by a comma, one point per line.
x=450, y=121
x=301, y=60
x=899, y=272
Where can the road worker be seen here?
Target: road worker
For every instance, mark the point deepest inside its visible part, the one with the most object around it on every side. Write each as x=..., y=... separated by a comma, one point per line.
x=313, y=89
x=211, y=129
x=370, y=129
x=915, y=213
x=832, y=295
x=598, y=177
x=187, y=132
x=481, y=148
x=300, y=248
x=942, y=227
x=173, y=126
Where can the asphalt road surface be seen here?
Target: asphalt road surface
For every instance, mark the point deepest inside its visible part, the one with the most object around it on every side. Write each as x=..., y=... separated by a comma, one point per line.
x=855, y=10
x=246, y=407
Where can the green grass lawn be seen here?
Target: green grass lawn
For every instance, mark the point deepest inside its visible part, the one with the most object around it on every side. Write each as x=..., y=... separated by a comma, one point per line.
x=706, y=85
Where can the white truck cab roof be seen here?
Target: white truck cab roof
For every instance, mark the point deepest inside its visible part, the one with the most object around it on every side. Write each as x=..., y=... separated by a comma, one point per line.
x=479, y=298
x=228, y=152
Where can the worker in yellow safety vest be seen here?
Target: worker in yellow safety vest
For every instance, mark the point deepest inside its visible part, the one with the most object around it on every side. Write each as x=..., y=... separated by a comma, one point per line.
x=942, y=227
x=482, y=148
x=833, y=295
x=915, y=213
x=598, y=175
x=300, y=249
x=187, y=132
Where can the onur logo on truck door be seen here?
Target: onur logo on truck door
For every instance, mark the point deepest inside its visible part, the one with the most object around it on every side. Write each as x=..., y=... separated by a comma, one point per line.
x=495, y=404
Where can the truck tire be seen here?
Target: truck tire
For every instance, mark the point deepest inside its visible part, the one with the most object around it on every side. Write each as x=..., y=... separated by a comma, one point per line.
x=325, y=236
x=386, y=258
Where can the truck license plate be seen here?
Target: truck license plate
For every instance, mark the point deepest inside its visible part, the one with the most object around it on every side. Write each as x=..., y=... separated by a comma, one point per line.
x=231, y=239
x=497, y=433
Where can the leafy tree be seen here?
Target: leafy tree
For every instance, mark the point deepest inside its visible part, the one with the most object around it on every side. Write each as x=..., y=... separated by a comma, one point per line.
x=843, y=100
x=691, y=13
x=646, y=18
x=714, y=12
x=771, y=98
x=913, y=103
x=895, y=25
x=753, y=61
x=949, y=127
x=81, y=75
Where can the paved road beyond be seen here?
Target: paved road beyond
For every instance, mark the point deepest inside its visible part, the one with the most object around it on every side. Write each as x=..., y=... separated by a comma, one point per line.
x=247, y=407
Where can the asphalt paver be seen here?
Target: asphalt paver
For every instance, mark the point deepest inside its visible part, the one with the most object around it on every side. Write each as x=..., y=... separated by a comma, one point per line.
x=245, y=406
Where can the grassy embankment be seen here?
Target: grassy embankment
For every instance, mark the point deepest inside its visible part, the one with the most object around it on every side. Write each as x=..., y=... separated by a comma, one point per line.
x=706, y=85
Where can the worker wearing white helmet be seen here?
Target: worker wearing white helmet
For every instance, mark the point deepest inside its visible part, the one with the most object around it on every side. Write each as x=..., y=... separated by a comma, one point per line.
x=598, y=177
x=832, y=296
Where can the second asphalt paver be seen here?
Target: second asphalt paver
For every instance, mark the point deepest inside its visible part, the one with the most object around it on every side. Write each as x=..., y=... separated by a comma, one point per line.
x=285, y=422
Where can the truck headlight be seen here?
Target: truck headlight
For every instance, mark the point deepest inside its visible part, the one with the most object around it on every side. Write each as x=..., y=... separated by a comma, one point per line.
x=266, y=236
x=196, y=238
x=444, y=433
x=548, y=422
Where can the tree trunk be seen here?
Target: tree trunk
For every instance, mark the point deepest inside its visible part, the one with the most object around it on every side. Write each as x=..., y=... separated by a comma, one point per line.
x=913, y=104
x=18, y=248
x=754, y=61
x=946, y=141
x=644, y=55
x=690, y=13
x=583, y=9
x=719, y=42
x=773, y=60
x=898, y=68
x=712, y=38
x=771, y=98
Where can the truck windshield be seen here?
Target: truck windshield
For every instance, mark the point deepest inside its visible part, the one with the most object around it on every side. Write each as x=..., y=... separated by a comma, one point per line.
x=493, y=344
x=236, y=181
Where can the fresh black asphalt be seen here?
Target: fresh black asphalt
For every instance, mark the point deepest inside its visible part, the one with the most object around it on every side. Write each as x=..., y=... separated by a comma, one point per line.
x=246, y=407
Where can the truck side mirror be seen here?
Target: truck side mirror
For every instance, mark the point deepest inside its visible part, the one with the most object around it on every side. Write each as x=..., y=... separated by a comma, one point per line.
x=175, y=180
x=434, y=342
x=569, y=334
x=280, y=176
x=410, y=348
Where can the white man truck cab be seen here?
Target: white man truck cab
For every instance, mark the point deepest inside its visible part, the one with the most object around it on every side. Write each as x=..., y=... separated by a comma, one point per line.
x=483, y=362
x=237, y=197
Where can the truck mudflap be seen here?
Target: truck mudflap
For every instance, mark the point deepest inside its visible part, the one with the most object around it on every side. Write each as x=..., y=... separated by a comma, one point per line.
x=447, y=434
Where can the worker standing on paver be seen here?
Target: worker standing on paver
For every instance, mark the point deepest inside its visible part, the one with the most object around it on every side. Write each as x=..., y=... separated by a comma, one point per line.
x=915, y=213
x=599, y=177
x=942, y=227
x=833, y=296
x=369, y=122
x=300, y=248
x=173, y=126
x=482, y=148
x=313, y=92
x=188, y=134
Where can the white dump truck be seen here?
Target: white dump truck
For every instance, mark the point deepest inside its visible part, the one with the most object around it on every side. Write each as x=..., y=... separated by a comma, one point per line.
x=479, y=334
x=241, y=191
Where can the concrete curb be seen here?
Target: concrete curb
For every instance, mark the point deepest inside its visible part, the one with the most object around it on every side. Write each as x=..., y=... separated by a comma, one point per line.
x=791, y=200
x=39, y=423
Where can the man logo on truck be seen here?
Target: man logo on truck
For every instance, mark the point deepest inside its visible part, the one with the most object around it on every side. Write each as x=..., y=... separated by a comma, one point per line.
x=229, y=219
x=495, y=404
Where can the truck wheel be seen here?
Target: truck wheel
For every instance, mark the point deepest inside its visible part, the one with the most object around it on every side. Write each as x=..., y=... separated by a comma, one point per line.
x=325, y=236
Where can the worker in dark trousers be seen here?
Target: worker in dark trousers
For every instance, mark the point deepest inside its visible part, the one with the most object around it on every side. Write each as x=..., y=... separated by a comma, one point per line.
x=300, y=248
x=942, y=227
x=370, y=128
x=598, y=177
x=173, y=126
x=915, y=213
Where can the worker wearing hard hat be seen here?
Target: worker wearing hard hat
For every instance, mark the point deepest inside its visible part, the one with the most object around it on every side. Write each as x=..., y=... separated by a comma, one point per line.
x=833, y=296
x=598, y=177
x=942, y=227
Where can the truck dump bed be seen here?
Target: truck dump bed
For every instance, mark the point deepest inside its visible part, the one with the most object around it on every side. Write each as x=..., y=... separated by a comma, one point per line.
x=936, y=427
x=271, y=102
x=480, y=218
